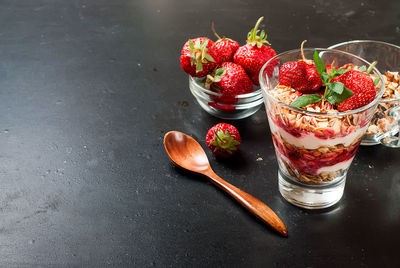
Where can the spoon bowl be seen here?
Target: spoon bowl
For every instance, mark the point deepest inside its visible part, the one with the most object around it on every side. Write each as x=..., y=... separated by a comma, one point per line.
x=187, y=153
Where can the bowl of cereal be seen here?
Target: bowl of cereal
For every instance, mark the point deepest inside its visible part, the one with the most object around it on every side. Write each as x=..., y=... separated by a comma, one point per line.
x=384, y=126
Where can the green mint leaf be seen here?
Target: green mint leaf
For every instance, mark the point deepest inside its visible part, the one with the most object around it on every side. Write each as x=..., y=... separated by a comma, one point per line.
x=363, y=68
x=337, y=87
x=332, y=97
x=319, y=64
x=325, y=77
x=376, y=81
x=341, y=71
x=347, y=93
x=305, y=100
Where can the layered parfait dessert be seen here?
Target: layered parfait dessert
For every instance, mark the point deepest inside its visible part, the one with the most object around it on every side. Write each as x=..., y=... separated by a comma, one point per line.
x=318, y=115
x=314, y=148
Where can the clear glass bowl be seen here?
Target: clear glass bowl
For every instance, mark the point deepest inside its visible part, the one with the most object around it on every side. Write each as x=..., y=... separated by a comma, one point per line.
x=384, y=127
x=239, y=107
x=314, y=150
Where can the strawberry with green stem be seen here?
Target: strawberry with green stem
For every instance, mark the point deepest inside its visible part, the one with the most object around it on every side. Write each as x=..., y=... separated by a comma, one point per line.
x=300, y=75
x=224, y=47
x=198, y=57
x=229, y=80
x=223, y=140
x=255, y=54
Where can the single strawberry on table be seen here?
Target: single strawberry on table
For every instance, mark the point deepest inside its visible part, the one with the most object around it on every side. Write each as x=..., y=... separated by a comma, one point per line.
x=224, y=47
x=198, y=57
x=223, y=140
x=254, y=54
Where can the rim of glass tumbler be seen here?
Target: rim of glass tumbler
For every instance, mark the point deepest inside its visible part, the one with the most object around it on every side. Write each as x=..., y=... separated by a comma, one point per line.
x=264, y=81
x=368, y=41
x=209, y=92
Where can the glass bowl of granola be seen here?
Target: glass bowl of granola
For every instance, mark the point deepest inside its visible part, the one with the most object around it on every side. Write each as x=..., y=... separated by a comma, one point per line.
x=224, y=106
x=384, y=127
x=316, y=141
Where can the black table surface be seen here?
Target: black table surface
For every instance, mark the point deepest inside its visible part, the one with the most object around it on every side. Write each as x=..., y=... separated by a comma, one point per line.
x=88, y=88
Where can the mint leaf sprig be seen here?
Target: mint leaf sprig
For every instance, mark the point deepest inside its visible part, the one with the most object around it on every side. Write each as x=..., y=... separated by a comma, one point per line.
x=335, y=92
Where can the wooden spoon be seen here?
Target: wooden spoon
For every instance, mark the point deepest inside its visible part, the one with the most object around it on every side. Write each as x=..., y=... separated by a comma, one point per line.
x=187, y=153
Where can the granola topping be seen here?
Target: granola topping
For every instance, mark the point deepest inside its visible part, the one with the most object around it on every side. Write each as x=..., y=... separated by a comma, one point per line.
x=382, y=121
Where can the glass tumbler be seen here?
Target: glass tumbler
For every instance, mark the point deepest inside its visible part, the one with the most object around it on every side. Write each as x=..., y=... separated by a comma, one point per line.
x=384, y=127
x=314, y=149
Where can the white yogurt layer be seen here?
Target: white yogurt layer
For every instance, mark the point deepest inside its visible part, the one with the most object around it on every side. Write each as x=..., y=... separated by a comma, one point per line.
x=311, y=142
x=342, y=165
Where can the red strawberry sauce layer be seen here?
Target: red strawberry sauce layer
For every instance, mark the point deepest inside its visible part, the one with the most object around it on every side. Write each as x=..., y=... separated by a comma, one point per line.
x=310, y=161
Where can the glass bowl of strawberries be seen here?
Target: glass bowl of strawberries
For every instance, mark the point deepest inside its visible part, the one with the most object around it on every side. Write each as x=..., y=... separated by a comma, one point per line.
x=223, y=76
x=225, y=105
x=318, y=110
x=384, y=126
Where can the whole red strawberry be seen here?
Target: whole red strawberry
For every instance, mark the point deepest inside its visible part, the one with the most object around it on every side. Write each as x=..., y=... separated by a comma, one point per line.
x=224, y=47
x=300, y=75
x=198, y=57
x=293, y=74
x=254, y=54
x=223, y=139
x=229, y=80
x=362, y=86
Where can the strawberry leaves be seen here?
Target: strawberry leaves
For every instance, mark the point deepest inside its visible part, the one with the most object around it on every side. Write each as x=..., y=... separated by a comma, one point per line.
x=215, y=77
x=199, y=54
x=257, y=40
x=225, y=141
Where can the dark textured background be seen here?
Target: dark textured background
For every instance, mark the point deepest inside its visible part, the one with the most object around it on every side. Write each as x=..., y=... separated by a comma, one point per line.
x=87, y=91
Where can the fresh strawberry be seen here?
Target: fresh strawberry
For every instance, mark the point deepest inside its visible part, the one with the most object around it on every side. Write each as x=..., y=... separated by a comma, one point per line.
x=223, y=140
x=314, y=80
x=254, y=54
x=293, y=74
x=362, y=86
x=301, y=75
x=198, y=57
x=224, y=47
x=230, y=79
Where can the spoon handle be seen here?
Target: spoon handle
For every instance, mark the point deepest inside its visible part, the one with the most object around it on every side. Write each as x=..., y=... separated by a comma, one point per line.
x=254, y=205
